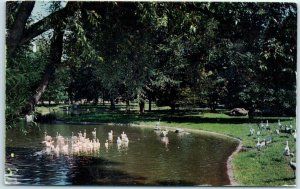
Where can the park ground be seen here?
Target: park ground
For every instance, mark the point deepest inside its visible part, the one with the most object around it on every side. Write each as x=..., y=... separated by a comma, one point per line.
x=268, y=167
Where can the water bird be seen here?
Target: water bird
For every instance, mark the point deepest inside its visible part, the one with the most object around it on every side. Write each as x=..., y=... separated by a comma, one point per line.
x=84, y=134
x=268, y=140
x=277, y=131
x=279, y=123
x=47, y=137
x=48, y=143
x=80, y=134
x=94, y=133
x=74, y=138
x=29, y=118
x=165, y=132
x=123, y=136
x=119, y=141
x=110, y=136
x=263, y=143
x=258, y=133
x=258, y=145
x=106, y=144
x=293, y=167
x=157, y=127
x=65, y=148
x=267, y=126
x=252, y=131
x=286, y=151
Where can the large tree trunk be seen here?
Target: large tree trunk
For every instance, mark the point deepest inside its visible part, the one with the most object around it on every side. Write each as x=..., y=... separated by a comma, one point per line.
x=142, y=106
x=127, y=105
x=112, y=104
x=55, y=59
x=18, y=27
x=150, y=101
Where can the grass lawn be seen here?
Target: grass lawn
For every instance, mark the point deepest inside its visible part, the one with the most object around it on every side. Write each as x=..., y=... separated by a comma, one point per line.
x=251, y=167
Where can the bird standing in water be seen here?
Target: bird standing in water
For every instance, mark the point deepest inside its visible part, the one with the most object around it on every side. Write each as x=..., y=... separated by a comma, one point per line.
x=94, y=133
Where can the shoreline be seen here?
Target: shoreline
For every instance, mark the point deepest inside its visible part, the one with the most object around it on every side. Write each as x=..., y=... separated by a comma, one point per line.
x=229, y=164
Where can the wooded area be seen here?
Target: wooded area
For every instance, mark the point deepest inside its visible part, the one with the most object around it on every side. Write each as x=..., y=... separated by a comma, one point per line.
x=172, y=54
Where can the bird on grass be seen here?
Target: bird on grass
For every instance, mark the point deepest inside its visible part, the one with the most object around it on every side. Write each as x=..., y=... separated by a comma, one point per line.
x=258, y=145
x=268, y=140
x=258, y=133
x=295, y=135
x=252, y=131
x=286, y=150
x=293, y=167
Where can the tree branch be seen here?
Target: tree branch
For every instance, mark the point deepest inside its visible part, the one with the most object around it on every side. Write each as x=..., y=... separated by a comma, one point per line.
x=16, y=31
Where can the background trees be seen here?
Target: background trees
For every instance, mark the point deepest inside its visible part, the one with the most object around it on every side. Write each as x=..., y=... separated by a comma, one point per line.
x=175, y=54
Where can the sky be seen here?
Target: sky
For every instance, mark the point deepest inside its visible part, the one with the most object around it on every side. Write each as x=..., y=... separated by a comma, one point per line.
x=41, y=9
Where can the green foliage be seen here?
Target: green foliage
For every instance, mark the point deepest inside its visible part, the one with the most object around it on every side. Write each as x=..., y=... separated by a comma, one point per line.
x=22, y=75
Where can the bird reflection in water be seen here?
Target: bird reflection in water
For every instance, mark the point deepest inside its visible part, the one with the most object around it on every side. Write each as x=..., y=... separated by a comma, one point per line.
x=165, y=140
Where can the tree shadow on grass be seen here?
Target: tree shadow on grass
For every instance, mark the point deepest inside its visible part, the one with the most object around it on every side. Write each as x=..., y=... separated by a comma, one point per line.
x=282, y=179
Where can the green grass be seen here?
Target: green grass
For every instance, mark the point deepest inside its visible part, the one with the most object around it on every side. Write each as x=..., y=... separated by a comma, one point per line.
x=267, y=167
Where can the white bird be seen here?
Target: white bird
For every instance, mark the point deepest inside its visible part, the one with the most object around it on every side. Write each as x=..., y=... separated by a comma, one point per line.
x=123, y=136
x=48, y=143
x=106, y=144
x=110, y=136
x=263, y=143
x=80, y=134
x=258, y=133
x=126, y=140
x=252, y=131
x=74, y=138
x=258, y=145
x=157, y=127
x=56, y=150
x=94, y=133
x=157, y=123
x=279, y=124
x=277, y=131
x=293, y=166
x=269, y=140
x=29, y=118
x=165, y=132
x=84, y=134
x=286, y=151
x=262, y=126
x=47, y=137
x=119, y=141
x=65, y=148
x=267, y=126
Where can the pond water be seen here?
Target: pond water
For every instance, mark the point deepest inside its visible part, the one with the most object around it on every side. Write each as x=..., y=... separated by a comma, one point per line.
x=148, y=159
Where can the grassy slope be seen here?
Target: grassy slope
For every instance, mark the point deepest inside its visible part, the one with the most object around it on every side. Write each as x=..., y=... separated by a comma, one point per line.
x=251, y=167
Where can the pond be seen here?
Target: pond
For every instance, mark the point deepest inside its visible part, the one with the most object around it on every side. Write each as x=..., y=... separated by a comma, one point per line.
x=148, y=159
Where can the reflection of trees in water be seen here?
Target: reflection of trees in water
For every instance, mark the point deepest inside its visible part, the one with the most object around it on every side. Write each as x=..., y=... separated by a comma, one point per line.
x=100, y=171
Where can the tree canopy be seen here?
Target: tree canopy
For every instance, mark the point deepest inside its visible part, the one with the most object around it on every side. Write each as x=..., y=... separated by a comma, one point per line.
x=171, y=53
